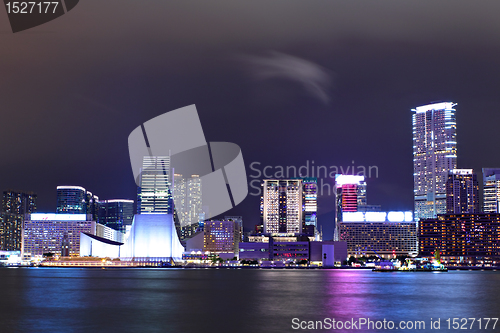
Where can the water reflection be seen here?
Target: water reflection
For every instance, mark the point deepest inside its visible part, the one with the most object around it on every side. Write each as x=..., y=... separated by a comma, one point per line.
x=225, y=300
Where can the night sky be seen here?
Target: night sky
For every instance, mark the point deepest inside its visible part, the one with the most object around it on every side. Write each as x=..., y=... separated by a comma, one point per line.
x=288, y=81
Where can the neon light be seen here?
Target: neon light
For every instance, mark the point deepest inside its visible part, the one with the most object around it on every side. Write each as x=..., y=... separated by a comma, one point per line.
x=118, y=200
x=396, y=216
x=436, y=106
x=70, y=188
x=353, y=217
x=348, y=179
x=57, y=217
x=375, y=216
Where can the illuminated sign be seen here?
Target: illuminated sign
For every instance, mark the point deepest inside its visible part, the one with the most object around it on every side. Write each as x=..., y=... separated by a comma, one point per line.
x=437, y=106
x=393, y=216
x=348, y=179
x=58, y=217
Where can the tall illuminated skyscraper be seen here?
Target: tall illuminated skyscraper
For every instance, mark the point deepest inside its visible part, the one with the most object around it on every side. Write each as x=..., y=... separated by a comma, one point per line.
x=188, y=204
x=15, y=205
x=434, y=156
x=281, y=206
x=350, y=194
x=491, y=190
x=310, y=190
x=154, y=192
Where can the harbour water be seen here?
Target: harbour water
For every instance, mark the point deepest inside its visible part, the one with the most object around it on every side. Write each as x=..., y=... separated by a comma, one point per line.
x=238, y=300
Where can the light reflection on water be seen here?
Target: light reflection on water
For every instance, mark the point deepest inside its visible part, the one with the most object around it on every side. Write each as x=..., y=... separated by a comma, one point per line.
x=227, y=300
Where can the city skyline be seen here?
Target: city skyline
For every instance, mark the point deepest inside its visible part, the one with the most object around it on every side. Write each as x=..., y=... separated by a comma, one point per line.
x=73, y=128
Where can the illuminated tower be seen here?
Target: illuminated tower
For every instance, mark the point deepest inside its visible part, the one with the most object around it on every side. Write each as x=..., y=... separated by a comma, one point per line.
x=350, y=194
x=434, y=156
x=15, y=205
x=282, y=206
x=310, y=191
x=154, y=193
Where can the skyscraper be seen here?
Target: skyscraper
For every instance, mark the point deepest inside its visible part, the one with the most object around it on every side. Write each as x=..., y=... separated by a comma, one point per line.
x=187, y=204
x=434, y=156
x=350, y=195
x=71, y=200
x=154, y=192
x=491, y=190
x=15, y=205
x=116, y=214
x=462, y=192
x=281, y=206
x=310, y=191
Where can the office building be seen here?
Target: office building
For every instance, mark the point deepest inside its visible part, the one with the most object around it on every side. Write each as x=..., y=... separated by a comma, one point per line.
x=491, y=190
x=350, y=196
x=379, y=233
x=116, y=213
x=222, y=237
x=461, y=238
x=15, y=204
x=282, y=206
x=188, y=204
x=154, y=192
x=71, y=200
x=310, y=192
x=434, y=156
x=92, y=205
x=462, y=192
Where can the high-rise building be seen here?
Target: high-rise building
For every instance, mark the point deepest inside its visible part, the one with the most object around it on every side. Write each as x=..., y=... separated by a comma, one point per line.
x=281, y=206
x=462, y=192
x=154, y=192
x=239, y=223
x=491, y=190
x=350, y=194
x=92, y=205
x=76, y=200
x=71, y=200
x=15, y=205
x=188, y=204
x=434, y=156
x=116, y=214
x=310, y=191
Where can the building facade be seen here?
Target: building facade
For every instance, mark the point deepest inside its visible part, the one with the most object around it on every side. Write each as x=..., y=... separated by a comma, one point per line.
x=379, y=233
x=434, y=156
x=116, y=213
x=155, y=192
x=310, y=192
x=71, y=200
x=461, y=237
x=48, y=233
x=15, y=204
x=221, y=237
x=491, y=190
x=350, y=196
x=282, y=206
x=462, y=192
